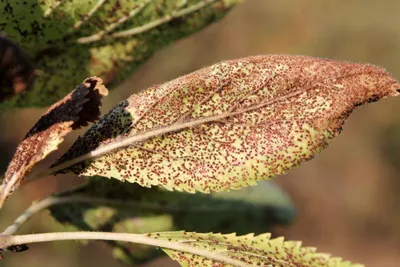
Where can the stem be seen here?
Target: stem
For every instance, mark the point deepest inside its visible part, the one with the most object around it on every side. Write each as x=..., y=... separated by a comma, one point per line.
x=7, y=240
x=47, y=202
x=35, y=208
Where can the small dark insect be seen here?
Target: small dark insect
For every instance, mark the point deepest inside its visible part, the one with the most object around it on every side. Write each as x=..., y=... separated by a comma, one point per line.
x=18, y=248
x=16, y=69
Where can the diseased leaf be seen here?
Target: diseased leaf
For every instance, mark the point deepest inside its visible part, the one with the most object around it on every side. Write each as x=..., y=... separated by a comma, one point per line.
x=253, y=250
x=16, y=69
x=72, y=40
x=228, y=125
x=75, y=110
x=130, y=208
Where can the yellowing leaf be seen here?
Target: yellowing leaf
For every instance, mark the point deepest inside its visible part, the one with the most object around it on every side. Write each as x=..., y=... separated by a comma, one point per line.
x=252, y=250
x=72, y=112
x=228, y=125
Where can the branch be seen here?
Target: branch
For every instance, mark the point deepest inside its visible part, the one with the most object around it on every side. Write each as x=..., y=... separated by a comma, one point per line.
x=33, y=210
x=37, y=207
x=47, y=202
x=8, y=240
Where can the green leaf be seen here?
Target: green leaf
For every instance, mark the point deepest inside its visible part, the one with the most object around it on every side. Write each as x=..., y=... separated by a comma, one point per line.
x=130, y=208
x=229, y=125
x=253, y=250
x=71, y=40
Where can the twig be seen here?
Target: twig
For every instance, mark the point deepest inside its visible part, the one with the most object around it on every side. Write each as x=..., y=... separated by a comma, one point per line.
x=47, y=202
x=37, y=207
x=9, y=240
x=33, y=210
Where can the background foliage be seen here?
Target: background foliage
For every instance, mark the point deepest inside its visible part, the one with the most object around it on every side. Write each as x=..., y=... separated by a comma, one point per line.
x=347, y=198
x=71, y=40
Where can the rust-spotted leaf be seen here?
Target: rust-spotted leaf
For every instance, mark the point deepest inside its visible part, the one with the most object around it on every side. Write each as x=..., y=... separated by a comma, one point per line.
x=228, y=125
x=75, y=110
x=249, y=249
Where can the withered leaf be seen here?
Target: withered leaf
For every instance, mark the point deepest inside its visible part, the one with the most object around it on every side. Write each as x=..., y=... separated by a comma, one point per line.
x=228, y=125
x=16, y=69
x=252, y=250
x=75, y=110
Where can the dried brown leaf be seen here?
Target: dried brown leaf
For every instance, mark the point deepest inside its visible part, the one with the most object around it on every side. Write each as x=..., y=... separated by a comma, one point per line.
x=229, y=125
x=75, y=110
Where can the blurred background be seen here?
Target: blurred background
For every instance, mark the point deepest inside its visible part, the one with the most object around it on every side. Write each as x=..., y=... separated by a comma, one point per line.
x=347, y=198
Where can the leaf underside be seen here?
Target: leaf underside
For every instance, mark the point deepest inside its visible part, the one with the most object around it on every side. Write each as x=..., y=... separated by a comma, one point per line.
x=258, y=250
x=130, y=208
x=75, y=110
x=229, y=125
x=71, y=40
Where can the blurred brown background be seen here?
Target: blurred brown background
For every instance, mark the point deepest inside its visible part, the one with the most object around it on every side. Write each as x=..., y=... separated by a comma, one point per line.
x=347, y=198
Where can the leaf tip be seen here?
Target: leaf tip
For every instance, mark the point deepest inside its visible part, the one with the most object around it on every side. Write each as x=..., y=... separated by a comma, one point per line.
x=90, y=110
x=394, y=89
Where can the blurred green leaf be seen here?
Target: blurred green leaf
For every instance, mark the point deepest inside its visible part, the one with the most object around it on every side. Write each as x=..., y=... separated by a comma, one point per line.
x=71, y=40
x=131, y=208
